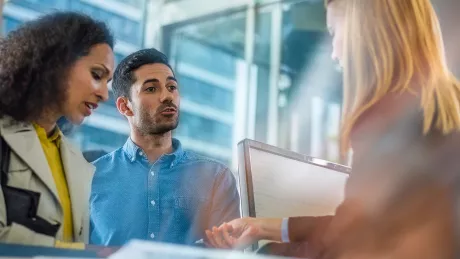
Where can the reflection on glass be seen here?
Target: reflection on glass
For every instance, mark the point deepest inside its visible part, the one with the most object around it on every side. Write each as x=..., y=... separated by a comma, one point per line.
x=262, y=57
x=205, y=55
x=313, y=94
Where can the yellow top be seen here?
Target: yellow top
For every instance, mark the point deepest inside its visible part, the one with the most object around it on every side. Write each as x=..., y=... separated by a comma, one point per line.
x=51, y=148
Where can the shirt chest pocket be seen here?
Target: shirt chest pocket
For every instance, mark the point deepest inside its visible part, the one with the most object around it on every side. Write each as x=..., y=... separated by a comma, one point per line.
x=185, y=216
x=186, y=207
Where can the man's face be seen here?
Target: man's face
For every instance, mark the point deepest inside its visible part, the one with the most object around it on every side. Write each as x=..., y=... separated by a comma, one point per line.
x=335, y=24
x=154, y=100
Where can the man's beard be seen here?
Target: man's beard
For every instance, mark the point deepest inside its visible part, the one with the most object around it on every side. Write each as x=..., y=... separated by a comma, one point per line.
x=155, y=124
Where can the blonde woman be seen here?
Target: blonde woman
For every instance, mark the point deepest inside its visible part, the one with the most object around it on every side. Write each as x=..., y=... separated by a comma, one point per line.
x=401, y=118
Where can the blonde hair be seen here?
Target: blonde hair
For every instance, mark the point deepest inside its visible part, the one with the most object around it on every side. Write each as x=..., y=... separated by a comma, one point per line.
x=389, y=47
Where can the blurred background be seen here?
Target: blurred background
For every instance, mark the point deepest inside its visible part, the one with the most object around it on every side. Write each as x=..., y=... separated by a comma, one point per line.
x=246, y=69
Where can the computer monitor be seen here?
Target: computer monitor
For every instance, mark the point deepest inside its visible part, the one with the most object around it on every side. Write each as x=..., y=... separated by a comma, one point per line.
x=277, y=183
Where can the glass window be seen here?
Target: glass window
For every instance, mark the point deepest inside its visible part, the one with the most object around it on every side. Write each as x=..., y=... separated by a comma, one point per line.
x=295, y=33
x=10, y=24
x=205, y=130
x=262, y=57
x=93, y=138
x=122, y=27
x=134, y=3
x=118, y=58
x=309, y=86
x=206, y=54
x=42, y=5
x=206, y=94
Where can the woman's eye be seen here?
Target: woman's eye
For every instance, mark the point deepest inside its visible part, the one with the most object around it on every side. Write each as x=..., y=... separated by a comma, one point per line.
x=96, y=76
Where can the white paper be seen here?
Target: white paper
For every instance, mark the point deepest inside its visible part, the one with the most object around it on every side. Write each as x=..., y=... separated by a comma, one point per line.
x=153, y=250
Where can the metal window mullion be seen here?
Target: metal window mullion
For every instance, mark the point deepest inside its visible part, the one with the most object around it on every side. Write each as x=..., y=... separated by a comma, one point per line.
x=275, y=64
x=249, y=60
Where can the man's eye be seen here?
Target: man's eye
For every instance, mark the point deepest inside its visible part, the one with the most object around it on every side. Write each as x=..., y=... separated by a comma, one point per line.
x=172, y=87
x=150, y=89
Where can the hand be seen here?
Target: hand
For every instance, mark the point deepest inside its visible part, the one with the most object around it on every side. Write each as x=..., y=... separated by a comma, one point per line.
x=243, y=232
x=239, y=233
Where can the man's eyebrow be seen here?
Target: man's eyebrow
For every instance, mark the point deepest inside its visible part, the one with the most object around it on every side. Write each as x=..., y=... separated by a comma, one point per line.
x=150, y=80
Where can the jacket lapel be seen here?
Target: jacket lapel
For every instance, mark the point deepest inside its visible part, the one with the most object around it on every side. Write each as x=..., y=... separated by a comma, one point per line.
x=23, y=140
x=79, y=174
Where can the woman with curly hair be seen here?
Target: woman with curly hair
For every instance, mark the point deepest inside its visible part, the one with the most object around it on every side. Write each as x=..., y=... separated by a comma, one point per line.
x=58, y=65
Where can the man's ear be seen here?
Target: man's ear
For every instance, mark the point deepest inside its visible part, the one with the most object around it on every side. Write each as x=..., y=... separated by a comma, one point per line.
x=124, y=106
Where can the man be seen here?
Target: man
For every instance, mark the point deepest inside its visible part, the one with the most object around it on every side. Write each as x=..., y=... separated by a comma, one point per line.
x=151, y=188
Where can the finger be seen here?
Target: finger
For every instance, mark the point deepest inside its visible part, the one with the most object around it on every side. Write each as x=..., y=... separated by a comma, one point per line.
x=230, y=228
x=219, y=238
x=247, y=238
x=227, y=238
x=211, y=240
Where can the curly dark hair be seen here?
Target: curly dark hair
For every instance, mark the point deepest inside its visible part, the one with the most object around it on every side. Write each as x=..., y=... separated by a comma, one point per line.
x=123, y=76
x=36, y=59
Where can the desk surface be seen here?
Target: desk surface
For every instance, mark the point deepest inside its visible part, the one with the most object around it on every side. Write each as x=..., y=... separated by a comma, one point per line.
x=21, y=251
x=135, y=249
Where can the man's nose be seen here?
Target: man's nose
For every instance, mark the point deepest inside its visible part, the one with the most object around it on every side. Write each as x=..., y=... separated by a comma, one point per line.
x=166, y=96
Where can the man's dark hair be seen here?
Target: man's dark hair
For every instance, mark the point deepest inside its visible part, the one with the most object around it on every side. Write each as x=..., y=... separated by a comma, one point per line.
x=124, y=77
x=36, y=59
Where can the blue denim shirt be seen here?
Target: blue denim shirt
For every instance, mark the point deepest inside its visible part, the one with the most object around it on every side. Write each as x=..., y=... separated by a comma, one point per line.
x=173, y=200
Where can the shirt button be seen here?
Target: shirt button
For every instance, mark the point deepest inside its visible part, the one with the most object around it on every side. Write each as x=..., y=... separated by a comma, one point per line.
x=141, y=153
x=153, y=203
x=152, y=173
x=152, y=236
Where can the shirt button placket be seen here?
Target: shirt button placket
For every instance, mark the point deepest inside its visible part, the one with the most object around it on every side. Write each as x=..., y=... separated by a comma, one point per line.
x=151, y=196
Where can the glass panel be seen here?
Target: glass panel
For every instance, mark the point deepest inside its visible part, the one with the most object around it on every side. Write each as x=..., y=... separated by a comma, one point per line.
x=42, y=5
x=309, y=85
x=93, y=138
x=123, y=28
x=10, y=24
x=262, y=57
x=196, y=127
x=206, y=93
x=118, y=58
x=205, y=55
x=134, y=3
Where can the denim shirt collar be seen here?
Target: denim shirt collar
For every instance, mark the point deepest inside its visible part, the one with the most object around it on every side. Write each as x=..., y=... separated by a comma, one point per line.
x=134, y=152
